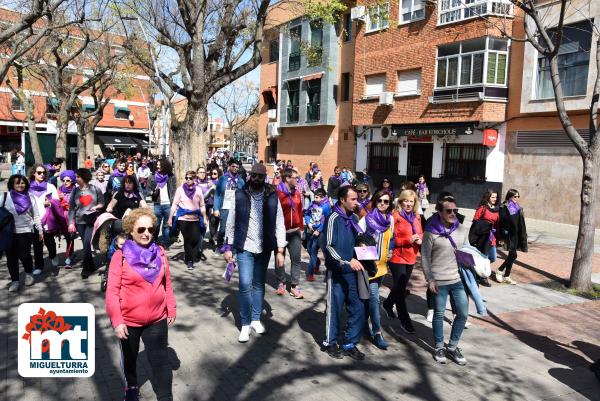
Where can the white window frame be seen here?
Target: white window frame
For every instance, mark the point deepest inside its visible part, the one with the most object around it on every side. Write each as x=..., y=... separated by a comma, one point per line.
x=460, y=10
x=380, y=26
x=21, y=104
x=486, y=52
x=368, y=95
x=415, y=5
x=414, y=92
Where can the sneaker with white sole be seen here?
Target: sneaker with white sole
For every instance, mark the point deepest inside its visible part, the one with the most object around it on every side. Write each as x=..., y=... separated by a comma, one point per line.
x=455, y=355
x=37, y=272
x=440, y=355
x=508, y=280
x=68, y=263
x=29, y=280
x=14, y=286
x=499, y=276
x=244, y=334
x=54, y=261
x=258, y=327
x=280, y=289
x=296, y=293
x=429, y=315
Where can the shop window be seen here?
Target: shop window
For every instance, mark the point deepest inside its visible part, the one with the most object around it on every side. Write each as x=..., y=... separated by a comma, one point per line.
x=383, y=158
x=465, y=161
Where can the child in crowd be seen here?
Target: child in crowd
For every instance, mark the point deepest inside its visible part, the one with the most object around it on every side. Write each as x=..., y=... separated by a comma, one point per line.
x=314, y=218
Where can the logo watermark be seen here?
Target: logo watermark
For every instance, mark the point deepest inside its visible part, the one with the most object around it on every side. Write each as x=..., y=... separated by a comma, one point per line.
x=56, y=340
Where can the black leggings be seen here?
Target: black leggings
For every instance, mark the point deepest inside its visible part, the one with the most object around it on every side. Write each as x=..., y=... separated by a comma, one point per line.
x=191, y=236
x=155, y=338
x=19, y=250
x=401, y=274
x=508, y=263
x=38, y=248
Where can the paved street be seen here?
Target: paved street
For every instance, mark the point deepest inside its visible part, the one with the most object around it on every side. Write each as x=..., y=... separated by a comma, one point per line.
x=536, y=344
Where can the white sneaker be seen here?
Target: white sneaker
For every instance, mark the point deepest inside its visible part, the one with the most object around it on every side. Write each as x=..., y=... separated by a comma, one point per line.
x=244, y=334
x=54, y=261
x=509, y=280
x=37, y=272
x=499, y=276
x=429, y=315
x=467, y=324
x=14, y=286
x=29, y=280
x=258, y=327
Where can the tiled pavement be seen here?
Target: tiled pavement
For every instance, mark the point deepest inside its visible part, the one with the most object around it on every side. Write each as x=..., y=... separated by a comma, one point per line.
x=535, y=345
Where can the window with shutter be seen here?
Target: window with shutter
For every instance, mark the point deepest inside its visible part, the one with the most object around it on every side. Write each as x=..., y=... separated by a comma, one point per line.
x=409, y=83
x=375, y=84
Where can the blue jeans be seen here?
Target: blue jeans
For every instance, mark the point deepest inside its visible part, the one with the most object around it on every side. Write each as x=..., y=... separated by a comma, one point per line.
x=224, y=213
x=492, y=254
x=253, y=270
x=313, y=252
x=457, y=292
x=372, y=308
x=162, y=217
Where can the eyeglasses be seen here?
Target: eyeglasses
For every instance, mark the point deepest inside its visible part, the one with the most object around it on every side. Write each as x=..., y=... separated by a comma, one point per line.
x=189, y=178
x=256, y=175
x=362, y=191
x=451, y=211
x=215, y=174
x=40, y=172
x=67, y=180
x=141, y=230
x=384, y=201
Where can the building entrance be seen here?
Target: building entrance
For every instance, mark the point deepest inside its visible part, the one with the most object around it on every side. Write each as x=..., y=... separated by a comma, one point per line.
x=420, y=157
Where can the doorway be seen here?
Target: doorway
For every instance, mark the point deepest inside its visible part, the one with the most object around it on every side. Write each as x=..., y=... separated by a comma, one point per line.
x=420, y=159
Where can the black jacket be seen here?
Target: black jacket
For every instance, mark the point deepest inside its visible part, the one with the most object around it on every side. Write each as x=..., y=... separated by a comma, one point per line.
x=479, y=235
x=152, y=188
x=513, y=231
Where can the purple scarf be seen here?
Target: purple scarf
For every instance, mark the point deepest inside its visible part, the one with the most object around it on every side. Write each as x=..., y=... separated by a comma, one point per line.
x=362, y=204
x=232, y=181
x=145, y=261
x=51, y=170
x=410, y=217
x=349, y=221
x=435, y=226
x=315, y=184
x=21, y=200
x=189, y=192
x=38, y=188
x=337, y=178
x=281, y=187
x=513, y=207
x=161, y=179
x=118, y=173
x=377, y=222
x=66, y=190
x=421, y=187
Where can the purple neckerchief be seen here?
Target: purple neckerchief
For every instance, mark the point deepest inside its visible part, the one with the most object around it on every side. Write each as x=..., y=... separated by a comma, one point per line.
x=38, y=188
x=513, y=207
x=189, y=191
x=315, y=184
x=66, y=190
x=51, y=170
x=377, y=222
x=204, y=185
x=21, y=200
x=435, y=226
x=362, y=204
x=338, y=178
x=302, y=184
x=410, y=217
x=161, y=179
x=281, y=187
x=145, y=261
x=117, y=173
x=421, y=187
x=232, y=181
x=348, y=220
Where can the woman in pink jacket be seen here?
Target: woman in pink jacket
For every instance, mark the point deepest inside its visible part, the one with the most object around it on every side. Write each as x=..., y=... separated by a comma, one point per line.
x=141, y=304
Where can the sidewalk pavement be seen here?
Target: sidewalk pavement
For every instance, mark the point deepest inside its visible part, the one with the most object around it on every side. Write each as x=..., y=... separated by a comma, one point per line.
x=535, y=344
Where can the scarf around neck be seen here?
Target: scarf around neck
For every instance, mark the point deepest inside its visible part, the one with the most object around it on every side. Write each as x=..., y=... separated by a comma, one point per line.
x=348, y=220
x=232, y=181
x=146, y=262
x=38, y=188
x=363, y=203
x=189, y=192
x=118, y=173
x=281, y=187
x=315, y=184
x=513, y=207
x=377, y=222
x=435, y=226
x=161, y=179
x=66, y=190
x=410, y=217
x=21, y=200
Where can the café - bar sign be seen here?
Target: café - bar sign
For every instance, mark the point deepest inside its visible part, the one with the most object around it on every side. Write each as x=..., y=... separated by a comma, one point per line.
x=419, y=130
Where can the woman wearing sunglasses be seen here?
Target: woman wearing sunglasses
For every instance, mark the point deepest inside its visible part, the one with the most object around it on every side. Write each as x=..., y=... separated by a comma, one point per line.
x=379, y=224
x=513, y=233
x=42, y=192
x=128, y=197
x=386, y=184
x=364, y=201
x=141, y=304
x=408, y=236
x=188, y=212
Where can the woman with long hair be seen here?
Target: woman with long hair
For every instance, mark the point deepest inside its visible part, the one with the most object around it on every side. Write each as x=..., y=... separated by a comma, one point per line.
x=488, y=214
x=162, y=186
x=513, y=233
x=128, y=197
x=386, y=184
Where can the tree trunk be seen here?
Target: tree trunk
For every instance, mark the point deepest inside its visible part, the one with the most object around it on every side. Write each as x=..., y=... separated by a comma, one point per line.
x=581, y=271
x=89, y=140
x=81, y=144
x=62, y=126
x=190, y=148
x=33, y=137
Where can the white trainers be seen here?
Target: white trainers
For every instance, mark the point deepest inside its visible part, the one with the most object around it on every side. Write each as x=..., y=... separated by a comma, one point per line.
x=258, y=327
x=29, y=280
x=499, y=276
x=14, y=286
x=509, y=280
x=430, y=315
x=54, y=261
x=37, y=272
x=244, y=334
x=467, y=324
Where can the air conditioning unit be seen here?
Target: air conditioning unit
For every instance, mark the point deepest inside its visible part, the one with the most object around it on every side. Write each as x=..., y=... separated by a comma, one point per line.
x=385, y=131
x=386, y=99
x=358, y=13
x=272, y=113
x=272, y=130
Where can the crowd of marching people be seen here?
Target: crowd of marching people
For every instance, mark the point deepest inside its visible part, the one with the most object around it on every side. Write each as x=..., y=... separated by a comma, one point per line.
x=356, y=234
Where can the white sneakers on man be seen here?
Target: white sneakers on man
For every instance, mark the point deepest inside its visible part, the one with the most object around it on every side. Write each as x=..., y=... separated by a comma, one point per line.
x=54, y=261
x=244, y=334
x=37, y=272
x=258, y=327
x=29, y=280
x=14, y=286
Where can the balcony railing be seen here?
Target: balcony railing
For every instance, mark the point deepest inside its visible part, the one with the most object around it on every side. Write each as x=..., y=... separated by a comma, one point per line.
x=313, y=112
x=294, y=61
x=293, y=113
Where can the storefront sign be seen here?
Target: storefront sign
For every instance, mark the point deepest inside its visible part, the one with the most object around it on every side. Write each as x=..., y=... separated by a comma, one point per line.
x=419, y=139
x=490, y=137
x=421, y=130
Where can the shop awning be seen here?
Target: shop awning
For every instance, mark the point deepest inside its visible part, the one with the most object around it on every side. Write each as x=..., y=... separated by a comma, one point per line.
x=117, y=141
x=269, y=93
x=142, y=142
x=121, y=108
x=318, y=75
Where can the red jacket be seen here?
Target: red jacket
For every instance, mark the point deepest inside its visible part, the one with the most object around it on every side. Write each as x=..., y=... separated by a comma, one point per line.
x=132, y=300
x=293, y=217
x=493, y=217
x=405, y=252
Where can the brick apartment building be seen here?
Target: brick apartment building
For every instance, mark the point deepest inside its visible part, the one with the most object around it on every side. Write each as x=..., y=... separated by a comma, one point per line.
x=124, y=127
x=541, y=161
x=304, y=114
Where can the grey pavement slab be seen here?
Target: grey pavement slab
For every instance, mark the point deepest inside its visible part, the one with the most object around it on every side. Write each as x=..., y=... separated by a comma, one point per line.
x=209, y=364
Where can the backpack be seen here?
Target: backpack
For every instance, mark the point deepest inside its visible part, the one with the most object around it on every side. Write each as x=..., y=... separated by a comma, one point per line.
x=7, y=227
